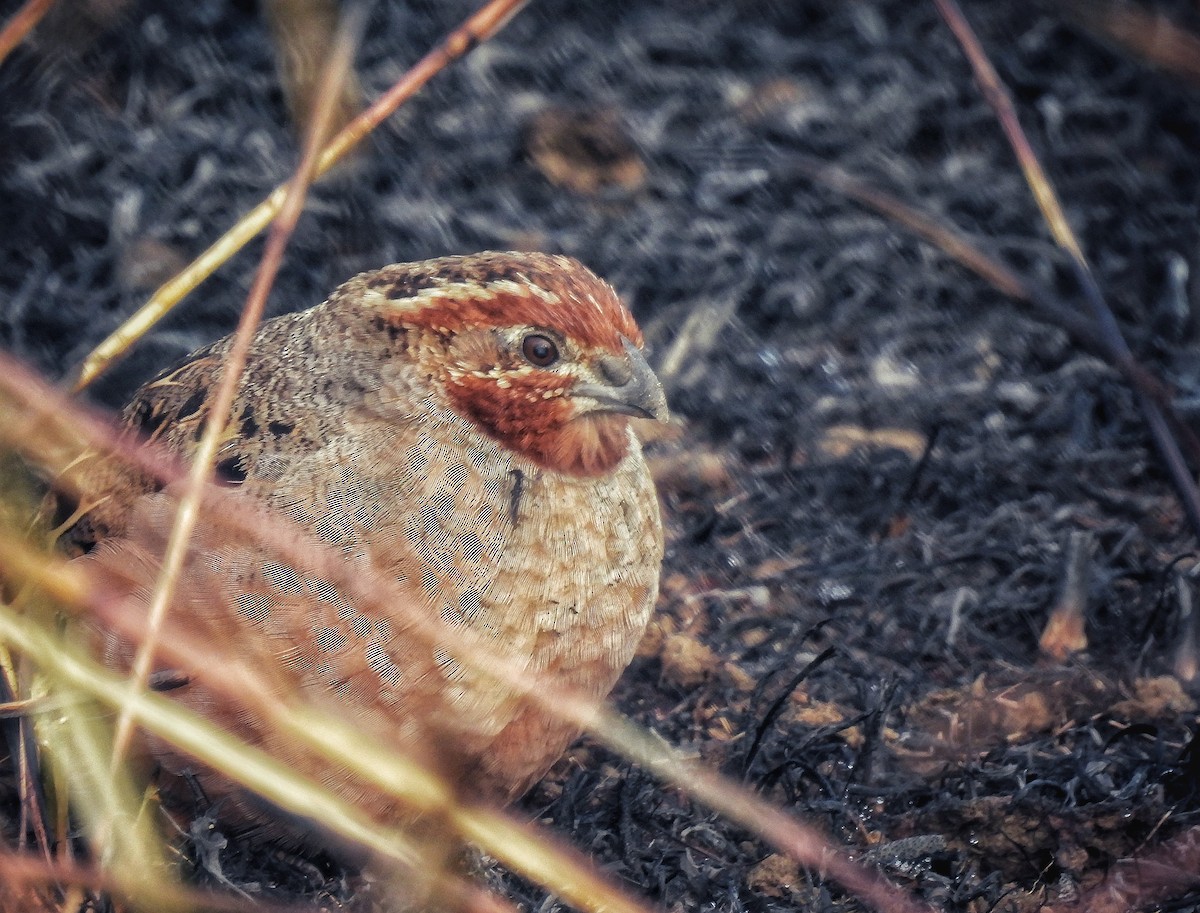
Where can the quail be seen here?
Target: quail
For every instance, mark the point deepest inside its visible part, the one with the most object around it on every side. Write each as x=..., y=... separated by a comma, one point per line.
x=460, y=426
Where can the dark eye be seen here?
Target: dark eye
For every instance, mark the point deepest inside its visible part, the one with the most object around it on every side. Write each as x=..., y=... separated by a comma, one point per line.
x=539, y=350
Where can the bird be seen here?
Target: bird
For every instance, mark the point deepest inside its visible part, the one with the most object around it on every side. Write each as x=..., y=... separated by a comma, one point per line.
x=462, y=427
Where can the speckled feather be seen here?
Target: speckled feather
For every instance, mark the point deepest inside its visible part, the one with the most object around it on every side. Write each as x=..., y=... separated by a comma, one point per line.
x=369, y=420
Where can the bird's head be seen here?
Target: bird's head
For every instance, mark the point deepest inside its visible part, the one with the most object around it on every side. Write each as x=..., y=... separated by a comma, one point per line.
x=535, y=349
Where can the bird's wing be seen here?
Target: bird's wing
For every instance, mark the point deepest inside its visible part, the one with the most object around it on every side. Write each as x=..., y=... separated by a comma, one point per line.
x=312, y=568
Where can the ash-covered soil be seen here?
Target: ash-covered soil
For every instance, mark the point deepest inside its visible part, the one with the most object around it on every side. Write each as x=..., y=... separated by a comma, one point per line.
x=880, y=460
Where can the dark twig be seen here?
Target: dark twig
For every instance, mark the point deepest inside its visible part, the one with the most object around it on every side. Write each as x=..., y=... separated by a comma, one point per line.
x=1108, y=331
x=951, y=241
x=777, y=707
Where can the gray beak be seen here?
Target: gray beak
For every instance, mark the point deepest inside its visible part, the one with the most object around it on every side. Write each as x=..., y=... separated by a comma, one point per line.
x=630, y=386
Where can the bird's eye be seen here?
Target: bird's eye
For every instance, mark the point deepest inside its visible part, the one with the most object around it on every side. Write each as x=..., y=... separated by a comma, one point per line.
x=539, y=350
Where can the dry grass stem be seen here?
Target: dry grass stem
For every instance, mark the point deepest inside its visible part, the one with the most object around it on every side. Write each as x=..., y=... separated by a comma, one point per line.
x=302, y=30
x=478, y=28
x=21, y=24
x=968, y=252
x=1000, y=101
x=325, y=734
x=208, y=743
x=22, y=876
x=371, y=593
x=221, y=400
x=1162, y=431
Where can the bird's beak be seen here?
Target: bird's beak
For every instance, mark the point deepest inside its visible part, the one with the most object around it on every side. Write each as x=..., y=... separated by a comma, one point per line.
x=629, y=387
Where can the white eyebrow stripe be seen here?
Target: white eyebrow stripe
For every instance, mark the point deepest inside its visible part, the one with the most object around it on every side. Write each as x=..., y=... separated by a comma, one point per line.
x=373, y=298
x=464, y=291
x=548, y=297
x=509, y=287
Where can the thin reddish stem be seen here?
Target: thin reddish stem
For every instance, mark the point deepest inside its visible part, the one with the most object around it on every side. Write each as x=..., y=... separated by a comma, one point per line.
x=21, y=24
x=478, y=28
x=221, y=400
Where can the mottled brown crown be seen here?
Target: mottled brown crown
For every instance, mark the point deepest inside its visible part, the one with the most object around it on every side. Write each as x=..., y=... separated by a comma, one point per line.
x=496, y=289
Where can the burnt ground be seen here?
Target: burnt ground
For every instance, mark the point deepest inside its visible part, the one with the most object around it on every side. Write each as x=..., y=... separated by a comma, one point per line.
x=880, y=459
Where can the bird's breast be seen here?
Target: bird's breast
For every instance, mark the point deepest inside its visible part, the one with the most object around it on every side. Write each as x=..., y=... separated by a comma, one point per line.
x=557, y=573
